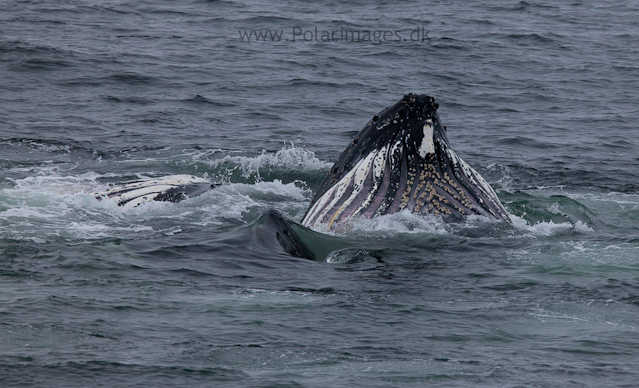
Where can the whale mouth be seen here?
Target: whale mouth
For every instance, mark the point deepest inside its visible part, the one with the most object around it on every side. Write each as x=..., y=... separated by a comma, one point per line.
x=402, y=160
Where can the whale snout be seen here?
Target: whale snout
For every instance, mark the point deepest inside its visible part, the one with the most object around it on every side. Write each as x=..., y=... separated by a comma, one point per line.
x=419, y=100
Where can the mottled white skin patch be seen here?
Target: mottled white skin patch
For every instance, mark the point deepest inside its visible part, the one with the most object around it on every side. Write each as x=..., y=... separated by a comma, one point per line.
x=476, y=179
x=362, y=170
x=134, y=193
x=336, y=191
x=152, y=185
x=378, y=170
x=394, y=162
x=427, y=146
x=355, y=176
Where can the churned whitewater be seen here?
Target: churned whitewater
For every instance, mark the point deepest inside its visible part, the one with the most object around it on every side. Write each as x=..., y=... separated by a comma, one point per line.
x=539, y=97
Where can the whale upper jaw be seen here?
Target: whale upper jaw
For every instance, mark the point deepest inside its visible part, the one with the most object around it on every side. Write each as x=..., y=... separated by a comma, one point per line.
x=401, y=160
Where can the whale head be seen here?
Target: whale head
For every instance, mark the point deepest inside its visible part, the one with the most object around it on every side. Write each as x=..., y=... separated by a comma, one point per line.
x=401, y=160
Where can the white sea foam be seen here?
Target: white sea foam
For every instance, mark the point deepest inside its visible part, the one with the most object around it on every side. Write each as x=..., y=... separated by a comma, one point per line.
x=44, y=207
x=403, y=222
x=288, y=158
x=245, y=202
x=567, y=315
x=549, y=228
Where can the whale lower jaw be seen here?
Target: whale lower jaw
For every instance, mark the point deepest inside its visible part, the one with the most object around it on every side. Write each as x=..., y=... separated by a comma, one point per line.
x=372, y=190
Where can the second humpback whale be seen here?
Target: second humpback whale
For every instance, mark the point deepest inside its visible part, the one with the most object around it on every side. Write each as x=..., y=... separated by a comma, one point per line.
x=172, y=188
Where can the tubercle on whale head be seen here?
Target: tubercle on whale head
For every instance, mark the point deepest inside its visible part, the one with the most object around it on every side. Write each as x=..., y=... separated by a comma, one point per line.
x=411, y=109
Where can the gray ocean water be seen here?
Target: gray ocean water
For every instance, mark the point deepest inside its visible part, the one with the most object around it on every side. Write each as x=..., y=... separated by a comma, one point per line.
x=539, y=96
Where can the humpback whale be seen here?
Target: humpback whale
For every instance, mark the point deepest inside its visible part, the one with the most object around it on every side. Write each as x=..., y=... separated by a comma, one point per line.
x=402, y=160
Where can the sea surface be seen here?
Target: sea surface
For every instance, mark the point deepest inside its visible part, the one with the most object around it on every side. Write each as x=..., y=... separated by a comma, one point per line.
x=541, y=97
